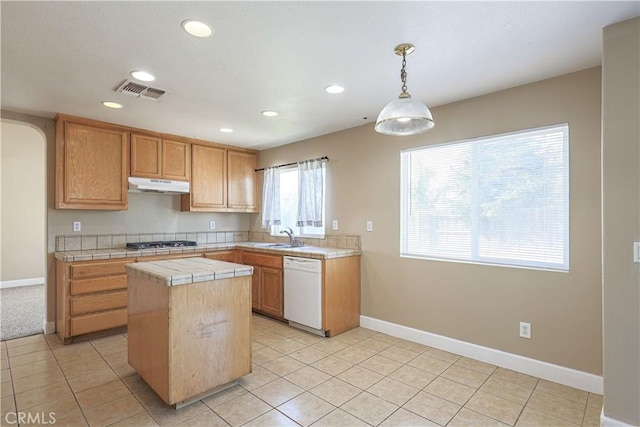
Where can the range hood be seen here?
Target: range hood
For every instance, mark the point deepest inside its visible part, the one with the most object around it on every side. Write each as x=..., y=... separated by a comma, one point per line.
x=153, y=185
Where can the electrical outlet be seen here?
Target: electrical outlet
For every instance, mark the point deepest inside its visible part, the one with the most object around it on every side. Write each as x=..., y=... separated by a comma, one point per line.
x=369, y=225
x=77, y=226
x=525, y=330
x=212, y=225
x=636, y=251
x=335, y=225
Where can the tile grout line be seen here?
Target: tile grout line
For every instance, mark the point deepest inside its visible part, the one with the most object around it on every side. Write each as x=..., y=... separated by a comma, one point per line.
x=66, y=379
x=13, y=389
x=351, y=342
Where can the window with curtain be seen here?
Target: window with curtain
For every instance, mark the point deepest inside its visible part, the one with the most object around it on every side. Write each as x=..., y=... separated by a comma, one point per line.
x=312, y=221
x=500, y=200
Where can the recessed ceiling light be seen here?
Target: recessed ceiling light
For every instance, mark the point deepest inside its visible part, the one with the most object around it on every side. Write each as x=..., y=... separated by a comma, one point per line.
x=225, y=130
x=142, y=76
x=111, y=104
x=334, y=89
x=197, y=28
x=269, y=113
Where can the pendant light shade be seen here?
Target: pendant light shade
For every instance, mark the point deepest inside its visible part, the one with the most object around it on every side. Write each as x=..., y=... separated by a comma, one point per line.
x=405, y=115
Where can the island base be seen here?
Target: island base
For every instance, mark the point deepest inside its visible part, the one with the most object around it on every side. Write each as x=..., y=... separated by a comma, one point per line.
x=186, y=340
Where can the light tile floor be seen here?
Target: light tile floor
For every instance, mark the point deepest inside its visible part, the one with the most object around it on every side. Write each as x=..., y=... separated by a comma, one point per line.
x=358, y=378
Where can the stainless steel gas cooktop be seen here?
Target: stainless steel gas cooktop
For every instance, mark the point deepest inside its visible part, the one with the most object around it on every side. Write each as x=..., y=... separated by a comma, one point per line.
x=160, y=244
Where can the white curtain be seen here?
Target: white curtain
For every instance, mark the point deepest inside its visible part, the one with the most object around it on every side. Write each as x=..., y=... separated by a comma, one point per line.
x=310, y=193
x=271, y=197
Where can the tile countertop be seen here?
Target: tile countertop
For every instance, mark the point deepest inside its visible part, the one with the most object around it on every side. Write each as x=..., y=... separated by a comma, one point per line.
x=304, y=251
x=184, y=271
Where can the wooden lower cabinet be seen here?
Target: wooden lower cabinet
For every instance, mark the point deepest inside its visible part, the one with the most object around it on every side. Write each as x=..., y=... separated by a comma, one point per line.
x=271, y=292
x=255, y=289
x=91, y=296
x=267, y=284
x=340, y=294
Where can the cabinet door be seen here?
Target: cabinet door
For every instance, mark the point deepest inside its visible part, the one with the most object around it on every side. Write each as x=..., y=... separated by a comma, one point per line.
x=176, y=160
x=146, y=156
x=208, y=178
x=91, y=166
x=242, y=181
x=255, y=288
x=272, y=292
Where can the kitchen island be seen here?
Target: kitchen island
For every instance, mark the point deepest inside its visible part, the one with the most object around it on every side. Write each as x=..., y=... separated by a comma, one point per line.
x=189, y=326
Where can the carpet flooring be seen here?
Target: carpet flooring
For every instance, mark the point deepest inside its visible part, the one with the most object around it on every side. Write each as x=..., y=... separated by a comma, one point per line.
x=22, y=311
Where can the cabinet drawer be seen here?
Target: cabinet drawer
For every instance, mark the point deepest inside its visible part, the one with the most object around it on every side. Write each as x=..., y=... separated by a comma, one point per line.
x=94, y=269
x=262, y=260
x=228, y=256
x=98, y=321
x=98, y=302
x=99, y=284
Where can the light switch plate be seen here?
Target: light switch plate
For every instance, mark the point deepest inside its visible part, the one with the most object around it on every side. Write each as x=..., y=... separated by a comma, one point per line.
x=636, y=252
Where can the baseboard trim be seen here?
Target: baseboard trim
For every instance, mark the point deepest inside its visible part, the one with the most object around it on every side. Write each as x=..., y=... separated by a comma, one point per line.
x=21, y=282
x=611, y=422
x=49, y=327
x=537, y=368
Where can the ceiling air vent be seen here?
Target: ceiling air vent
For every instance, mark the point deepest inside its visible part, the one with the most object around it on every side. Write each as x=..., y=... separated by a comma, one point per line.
x=139, y=91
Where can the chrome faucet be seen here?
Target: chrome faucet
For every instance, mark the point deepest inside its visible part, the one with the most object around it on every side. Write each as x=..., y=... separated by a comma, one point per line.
x=289, y=233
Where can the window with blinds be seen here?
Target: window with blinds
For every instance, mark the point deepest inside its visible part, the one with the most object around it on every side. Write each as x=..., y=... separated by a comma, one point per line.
x=501, y=200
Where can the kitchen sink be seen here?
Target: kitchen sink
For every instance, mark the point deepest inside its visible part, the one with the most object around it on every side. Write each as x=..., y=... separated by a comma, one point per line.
x=274, y=245
x=271, y=245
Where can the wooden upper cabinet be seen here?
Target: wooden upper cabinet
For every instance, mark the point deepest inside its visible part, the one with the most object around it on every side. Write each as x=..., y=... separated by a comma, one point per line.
x=146, y=156
x=154, y=157
x=221, y=180
x=91, y=165
x=242, y=181
x=208, y=179
x=176, y=160
x=95, y=159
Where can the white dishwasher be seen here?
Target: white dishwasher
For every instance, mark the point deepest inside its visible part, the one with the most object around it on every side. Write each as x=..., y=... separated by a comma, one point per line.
x=303, y=293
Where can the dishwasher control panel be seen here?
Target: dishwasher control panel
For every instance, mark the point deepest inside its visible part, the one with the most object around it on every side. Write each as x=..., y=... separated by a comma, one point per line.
x=303, y=264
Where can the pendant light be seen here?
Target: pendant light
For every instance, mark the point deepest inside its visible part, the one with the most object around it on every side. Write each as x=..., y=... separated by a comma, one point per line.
x=405, y=115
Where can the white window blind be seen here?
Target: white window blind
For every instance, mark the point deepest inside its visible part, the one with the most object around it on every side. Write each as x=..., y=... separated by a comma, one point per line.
x=498, y=200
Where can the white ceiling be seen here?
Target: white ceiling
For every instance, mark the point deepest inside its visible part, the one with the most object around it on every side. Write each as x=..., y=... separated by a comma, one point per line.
x=69, y=56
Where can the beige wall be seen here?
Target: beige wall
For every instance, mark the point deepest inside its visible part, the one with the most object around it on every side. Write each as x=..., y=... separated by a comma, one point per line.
x=147, y=213
x=23, y=151
x=621, y=220
x=475, y=303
